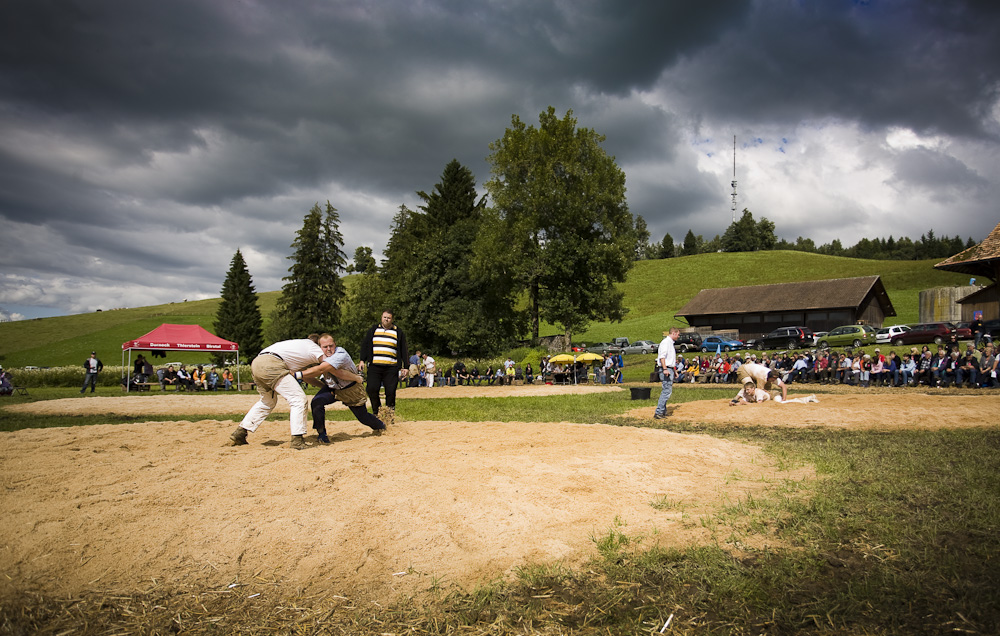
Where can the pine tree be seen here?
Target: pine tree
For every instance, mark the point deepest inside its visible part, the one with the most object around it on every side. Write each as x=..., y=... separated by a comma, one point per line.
x=238, y=317
x=310, y=299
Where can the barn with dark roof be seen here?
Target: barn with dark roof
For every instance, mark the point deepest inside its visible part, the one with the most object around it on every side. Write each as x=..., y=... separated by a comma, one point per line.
x=820, y=305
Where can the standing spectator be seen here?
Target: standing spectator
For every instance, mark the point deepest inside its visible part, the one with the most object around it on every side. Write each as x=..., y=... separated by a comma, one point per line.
x=414, y=371
x=138, y=369
x=92, y=366
x=277, y=370
x=977, y=328
x=667, y=357
x=383, y=352
x=430, y=368
x=6, y=388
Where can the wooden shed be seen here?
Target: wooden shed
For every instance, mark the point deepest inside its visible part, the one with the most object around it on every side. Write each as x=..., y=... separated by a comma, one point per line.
x=820, y=305
x=979, y=261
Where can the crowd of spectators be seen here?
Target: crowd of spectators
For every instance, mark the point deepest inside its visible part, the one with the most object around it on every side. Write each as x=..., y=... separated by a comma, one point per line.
x=948, y=366
x=606, y=371
x=197, y=379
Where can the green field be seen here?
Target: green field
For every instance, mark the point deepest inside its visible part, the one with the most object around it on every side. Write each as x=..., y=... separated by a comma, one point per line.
x=654, y=292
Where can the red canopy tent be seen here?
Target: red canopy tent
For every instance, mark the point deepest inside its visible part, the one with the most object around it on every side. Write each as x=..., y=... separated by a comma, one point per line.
x=169, y=337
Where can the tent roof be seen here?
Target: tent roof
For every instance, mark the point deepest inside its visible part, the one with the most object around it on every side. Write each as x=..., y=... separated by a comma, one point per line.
x=180, y=338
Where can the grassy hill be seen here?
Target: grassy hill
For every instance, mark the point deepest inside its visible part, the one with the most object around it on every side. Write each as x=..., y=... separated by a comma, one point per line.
x=654, y=291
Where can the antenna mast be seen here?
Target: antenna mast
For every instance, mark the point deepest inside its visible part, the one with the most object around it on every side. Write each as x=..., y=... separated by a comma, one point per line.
x=734, y=178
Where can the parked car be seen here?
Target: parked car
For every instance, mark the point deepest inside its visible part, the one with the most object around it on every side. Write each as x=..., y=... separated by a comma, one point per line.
x=964, y=330
x=604, y=348
x=715, y=344
x=818, y=335
x=688, y=341
x=641, y=346
x=886, y=335
x=579, y=348
x=849, y=336
x=786, y=338
x=927, y=332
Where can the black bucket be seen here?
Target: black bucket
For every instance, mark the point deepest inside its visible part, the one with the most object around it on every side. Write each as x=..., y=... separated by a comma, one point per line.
x=640, y=392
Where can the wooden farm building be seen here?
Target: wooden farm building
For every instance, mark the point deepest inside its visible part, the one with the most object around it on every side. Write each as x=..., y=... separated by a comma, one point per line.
x=979, y=261
x=820, y=305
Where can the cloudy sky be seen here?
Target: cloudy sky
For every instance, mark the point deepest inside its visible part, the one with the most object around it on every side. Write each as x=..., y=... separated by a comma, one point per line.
x=142, y=143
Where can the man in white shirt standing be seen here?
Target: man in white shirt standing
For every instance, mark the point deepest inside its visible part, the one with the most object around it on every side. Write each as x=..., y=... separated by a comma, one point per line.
x=667, y=357
x=277, y=370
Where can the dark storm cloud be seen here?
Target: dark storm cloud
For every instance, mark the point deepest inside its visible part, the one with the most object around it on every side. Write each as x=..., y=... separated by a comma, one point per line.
x=164, y=135
x=933, y=66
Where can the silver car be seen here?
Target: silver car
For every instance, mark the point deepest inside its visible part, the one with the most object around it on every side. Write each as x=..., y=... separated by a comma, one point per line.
x=886, y=335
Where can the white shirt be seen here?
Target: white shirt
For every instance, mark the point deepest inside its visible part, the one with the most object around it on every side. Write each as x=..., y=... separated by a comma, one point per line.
x=757, y=371
x=666, y=354
x=297, y=354
x=339, y=360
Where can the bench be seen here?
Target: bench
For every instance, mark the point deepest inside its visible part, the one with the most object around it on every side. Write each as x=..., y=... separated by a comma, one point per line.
x=15, y=390
x=133, y=385
x=245, y=386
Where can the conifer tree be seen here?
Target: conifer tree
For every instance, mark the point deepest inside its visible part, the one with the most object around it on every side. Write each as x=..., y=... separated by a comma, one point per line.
x=310, y=299
x=238, y=317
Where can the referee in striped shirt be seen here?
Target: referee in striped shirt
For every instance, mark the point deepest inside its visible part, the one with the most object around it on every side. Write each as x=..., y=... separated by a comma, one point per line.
x=383, y=352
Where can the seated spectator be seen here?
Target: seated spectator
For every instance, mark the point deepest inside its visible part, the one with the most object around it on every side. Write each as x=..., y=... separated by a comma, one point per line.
x=6, y=387
x=923, y=374
x=988, y=367
x=501, y=376
x=891, y=370
x=474, y=376
x=462, y=375
x=908, y=371
x=184, y=379
x=878, y=369
x=949, y=369
x=213, y=380
x=169, y=378
x=967, y=370
x=509, y=373
x=490, y=375
x=529, y=375
x=799, y=371
x=199, y=379
x=227, y=379
x=519, y=374
x=937, y=366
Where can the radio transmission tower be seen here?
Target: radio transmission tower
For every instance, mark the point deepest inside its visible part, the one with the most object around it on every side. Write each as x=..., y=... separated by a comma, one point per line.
x=734, y=178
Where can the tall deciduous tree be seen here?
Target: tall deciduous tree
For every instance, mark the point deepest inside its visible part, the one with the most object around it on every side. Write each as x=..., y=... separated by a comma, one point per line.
x=559, y=202
x=238, y=316
x=310, y=299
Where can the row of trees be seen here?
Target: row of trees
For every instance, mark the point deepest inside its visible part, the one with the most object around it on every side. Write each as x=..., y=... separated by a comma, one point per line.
x=466, y=277
x=462, y=276
x=747, y=235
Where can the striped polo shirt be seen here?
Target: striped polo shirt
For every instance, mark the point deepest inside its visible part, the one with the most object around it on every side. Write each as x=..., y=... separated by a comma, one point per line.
x=384, y=346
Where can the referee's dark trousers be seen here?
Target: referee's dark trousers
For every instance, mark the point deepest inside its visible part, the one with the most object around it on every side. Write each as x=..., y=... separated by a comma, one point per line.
x=380, y=375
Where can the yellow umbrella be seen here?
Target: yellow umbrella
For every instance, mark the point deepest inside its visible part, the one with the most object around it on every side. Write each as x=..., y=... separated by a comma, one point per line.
x=589, y=357
x=562, y=358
